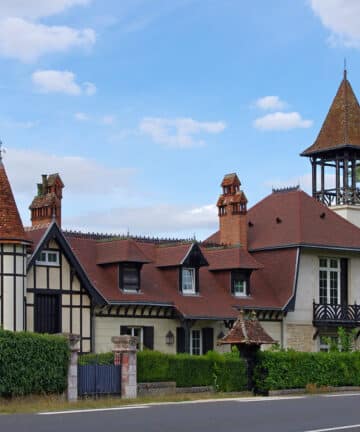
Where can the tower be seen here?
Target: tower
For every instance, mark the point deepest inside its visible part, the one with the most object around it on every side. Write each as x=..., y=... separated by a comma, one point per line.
x=13, y=244
x=46, y=205
x=232, y=206
x=335, y=155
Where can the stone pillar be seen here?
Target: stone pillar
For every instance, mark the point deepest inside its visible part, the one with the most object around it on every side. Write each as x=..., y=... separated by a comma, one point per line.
x=72, y=387
x=125, y=353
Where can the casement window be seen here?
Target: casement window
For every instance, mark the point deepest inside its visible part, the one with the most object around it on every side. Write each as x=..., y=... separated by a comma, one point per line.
x=200, y=341
x=239, y=283
x=329, y=281
x=129, y=277
x=48, y=258
x=188, y=280
x=144, y=334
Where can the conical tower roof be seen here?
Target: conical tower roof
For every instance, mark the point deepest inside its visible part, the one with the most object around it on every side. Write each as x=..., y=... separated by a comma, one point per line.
x=11, y=227
x=341, y=127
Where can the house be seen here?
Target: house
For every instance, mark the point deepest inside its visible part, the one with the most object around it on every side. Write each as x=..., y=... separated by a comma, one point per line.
x=292, y=258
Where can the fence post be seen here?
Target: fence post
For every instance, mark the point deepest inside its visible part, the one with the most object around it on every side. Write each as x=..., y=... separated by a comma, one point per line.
x=125, y=354
x=72, y=384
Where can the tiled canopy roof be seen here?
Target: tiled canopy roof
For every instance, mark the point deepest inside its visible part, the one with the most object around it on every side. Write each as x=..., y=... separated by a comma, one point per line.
x=247, y=331
x=11, y=227
x=342, y=124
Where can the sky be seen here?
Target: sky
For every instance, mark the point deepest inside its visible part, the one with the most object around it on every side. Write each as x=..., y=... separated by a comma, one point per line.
x=142, y=106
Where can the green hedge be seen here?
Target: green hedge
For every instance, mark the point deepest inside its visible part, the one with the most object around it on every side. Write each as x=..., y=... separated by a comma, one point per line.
x=291, y=369
x=32, y=363
x=102, y=359
x=226, y=372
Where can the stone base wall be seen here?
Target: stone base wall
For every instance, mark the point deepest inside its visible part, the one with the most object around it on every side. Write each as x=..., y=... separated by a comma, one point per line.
x=300, y=337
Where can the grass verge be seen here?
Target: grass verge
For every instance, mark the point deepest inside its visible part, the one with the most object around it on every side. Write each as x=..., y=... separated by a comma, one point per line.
x=35, y=404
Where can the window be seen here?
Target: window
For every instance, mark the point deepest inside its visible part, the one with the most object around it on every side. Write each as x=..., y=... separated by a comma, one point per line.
x=239, y=284
x=326, y=341
x=144, y=334
x=195, y=342
x=188, y=281
x=329, y=281
x=48, y=258
x=129, y=277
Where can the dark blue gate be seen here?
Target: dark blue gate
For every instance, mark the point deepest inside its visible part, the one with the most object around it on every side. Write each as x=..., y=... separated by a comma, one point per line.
x=95, y=379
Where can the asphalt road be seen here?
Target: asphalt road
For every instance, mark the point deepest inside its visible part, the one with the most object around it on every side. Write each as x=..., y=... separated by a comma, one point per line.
x=297, y=414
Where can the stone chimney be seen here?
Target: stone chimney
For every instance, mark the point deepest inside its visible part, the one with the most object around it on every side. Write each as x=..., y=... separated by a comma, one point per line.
x=232, y=205
x=46, y=205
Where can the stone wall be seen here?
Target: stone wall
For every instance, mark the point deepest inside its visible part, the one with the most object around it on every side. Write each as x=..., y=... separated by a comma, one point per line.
x=300, y=337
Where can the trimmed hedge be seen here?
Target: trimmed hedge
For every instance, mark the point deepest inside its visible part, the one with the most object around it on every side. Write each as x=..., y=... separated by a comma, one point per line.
x=226, y=372
x=292, y=369
x=32, y=363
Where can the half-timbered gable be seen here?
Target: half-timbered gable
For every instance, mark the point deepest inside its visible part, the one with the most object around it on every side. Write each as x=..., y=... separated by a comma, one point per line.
x=60, y=298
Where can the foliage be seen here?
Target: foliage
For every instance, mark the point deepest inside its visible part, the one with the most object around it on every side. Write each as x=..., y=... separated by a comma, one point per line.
x=101, y=359
x=32, y=363
x=291, y=369
x=345, y=342
x=152, y=366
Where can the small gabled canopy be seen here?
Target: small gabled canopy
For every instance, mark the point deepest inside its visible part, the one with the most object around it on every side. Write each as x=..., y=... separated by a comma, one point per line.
x=117, y=251
x=230, y=179
x=181, y=255
x=11, y=227
x=53, y=232
x=341, y=127
x=247, y=331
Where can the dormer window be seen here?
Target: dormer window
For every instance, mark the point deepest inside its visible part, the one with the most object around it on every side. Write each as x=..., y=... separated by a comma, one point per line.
x=239, y=283
x=129, y=277
x=188, y=280
x=48, y=258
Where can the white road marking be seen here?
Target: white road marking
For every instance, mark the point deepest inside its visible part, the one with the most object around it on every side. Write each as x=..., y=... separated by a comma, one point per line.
x=334, y=428
x=154, y=404
x=342, y=394
x=79, y=411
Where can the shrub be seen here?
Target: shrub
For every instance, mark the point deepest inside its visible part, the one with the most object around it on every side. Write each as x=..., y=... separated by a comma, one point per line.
x=152, y=366
x=291, y=369
x=188, y=370
x=101, y=359
x=32, y=363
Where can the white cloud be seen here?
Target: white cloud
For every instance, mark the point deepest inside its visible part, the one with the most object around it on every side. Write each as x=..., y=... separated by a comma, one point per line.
x=37, y=8
x=108, y=120
x=25, y=167
x=178, y=132
x=27, y=41
x=341, y=17
x=161, y=219
x=270, y=103
x=89, y=88
x=282, y=121
x=54, y=81
x=80, y=116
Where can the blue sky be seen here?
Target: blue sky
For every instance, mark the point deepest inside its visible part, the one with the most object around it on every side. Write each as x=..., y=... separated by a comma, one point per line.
x=143, y=105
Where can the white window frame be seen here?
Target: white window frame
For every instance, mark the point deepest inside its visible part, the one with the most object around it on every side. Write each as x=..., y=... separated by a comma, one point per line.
x=329, y=271
x=184, y=288
x=44, y=258
x=192, y=342
x=240, y=293
x=140, y=338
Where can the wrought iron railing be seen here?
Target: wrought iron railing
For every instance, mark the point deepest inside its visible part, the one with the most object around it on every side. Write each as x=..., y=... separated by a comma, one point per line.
x=341, y=314
x=341, y=197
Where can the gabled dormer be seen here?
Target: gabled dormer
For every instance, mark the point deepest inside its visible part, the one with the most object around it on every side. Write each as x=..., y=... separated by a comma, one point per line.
x=187, y=259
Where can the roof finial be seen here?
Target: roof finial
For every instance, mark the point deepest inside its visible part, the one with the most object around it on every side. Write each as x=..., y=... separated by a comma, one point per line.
x=345, y=71
x=2, y=151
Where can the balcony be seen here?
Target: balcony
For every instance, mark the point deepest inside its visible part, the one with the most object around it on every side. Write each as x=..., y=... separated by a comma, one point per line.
x=336, y=315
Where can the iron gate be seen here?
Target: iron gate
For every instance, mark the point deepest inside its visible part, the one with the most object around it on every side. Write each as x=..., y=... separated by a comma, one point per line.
x=95, y=379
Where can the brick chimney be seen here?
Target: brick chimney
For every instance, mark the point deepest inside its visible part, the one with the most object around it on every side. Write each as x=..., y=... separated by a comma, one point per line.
x=46, y=205
x=232, y=212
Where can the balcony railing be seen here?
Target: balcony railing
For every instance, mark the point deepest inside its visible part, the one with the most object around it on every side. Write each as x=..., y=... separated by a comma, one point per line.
x=329, y=314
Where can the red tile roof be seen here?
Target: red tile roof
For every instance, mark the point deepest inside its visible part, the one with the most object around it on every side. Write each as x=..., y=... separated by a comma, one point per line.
x=293, y=218
x=342, y=124
x=230, y=179
x=174, y=255
x=230, y=258
x=247, y=331
x=119, y=251
x=11, y=227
